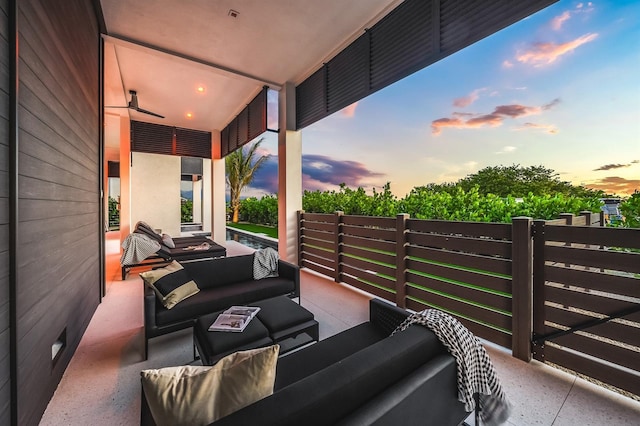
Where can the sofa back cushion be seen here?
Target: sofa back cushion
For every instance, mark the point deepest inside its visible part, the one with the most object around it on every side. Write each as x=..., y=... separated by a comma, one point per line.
x=221, y=271
x=332, y=393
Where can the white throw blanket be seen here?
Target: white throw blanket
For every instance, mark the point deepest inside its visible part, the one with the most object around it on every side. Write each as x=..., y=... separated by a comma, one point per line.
x=265, y=263
x=137, y=247
x=476, y=373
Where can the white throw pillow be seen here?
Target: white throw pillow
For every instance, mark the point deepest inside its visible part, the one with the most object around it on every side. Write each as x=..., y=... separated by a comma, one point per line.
x=199, y=395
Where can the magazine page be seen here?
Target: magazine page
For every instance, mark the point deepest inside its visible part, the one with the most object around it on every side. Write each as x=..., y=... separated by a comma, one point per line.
x=249, y=311
x=227, y=322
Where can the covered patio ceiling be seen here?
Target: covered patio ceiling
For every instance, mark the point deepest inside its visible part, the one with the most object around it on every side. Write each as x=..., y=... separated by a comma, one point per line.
x=166, y=49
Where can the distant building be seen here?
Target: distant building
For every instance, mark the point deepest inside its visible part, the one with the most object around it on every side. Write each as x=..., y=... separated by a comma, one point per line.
x=611, y=209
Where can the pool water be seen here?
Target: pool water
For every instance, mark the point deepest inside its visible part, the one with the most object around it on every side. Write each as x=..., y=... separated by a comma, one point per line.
x=250, y=240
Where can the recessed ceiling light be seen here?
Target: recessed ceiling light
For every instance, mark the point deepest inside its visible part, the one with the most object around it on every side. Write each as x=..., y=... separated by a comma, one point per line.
x=189, y=115
x=200, y=89
x=233, y=13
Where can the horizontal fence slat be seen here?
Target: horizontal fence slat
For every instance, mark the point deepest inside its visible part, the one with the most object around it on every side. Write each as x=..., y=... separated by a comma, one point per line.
x=367, y=276
x=601, y=349
x=387, y=295
x=464, y=244
x=483, y=263
x=329, y=263
x=595, y=258
x=593, y=280
x=491, y=334
x=491, y=282
x=368, y=266
x=388, y=246
x=372, y=233
x=307, y=241
x=589, y=302
x=497, y=231
x=319, y=226
x=600, y=371
x=317, y=252
x=318, y=235
x=376, y=256
x=380, y=222
x=471, y=311
x=319, y=217
x=471, y=294
x=318, y=268
x=616, y=331
x=599, y=236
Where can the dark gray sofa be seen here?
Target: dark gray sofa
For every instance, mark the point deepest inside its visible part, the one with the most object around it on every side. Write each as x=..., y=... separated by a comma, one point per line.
x=361, y=376
x=223, y=282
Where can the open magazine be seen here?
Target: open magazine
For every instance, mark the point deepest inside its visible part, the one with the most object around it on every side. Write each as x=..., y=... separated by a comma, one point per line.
x=234, y=319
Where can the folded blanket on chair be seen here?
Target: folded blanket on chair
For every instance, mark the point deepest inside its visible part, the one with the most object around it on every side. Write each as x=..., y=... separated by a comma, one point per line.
x=476, y=373
x=136, y=248
x=265, y=263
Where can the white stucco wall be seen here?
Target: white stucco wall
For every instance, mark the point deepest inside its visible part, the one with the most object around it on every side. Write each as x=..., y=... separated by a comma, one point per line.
x=155, y=191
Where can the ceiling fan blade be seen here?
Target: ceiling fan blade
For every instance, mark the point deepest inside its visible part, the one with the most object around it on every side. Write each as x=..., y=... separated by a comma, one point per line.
x=144, y=111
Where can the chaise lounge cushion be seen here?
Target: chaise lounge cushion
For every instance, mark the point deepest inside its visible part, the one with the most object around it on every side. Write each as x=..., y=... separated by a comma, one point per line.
x=199, y=395
x=172, y=284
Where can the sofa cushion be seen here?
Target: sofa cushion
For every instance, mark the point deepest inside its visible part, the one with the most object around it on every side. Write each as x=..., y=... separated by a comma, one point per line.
x=199, y=395
x=221, y=271
x=325, y=353
x=219, y=298
x=168, y=241
x=335, y=391
x=172, y=284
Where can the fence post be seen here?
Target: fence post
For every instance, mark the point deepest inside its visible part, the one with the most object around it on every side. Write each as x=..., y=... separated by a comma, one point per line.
x=521, y=287
x=539, y=287
x=401, y=260
x=568, y=217
x=337, y=247
x=587, y=216
x=300, y=219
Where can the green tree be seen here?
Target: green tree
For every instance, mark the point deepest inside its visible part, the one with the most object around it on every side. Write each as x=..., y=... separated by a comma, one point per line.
x=518, y=181
x=630, y=211
x=241, y=168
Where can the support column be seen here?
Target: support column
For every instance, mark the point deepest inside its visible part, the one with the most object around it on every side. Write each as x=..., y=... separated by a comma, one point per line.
x=125, y=178
x=218, y=199
x=289, y=175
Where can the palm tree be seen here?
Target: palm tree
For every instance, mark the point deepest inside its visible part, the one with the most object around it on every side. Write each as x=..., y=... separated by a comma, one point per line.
x=240, y=172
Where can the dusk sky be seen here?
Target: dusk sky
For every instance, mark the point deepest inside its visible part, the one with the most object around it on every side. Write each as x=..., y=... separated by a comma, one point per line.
x=559, y=89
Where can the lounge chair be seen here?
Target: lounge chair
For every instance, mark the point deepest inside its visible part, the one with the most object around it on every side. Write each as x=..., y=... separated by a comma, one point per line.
x=145, y=247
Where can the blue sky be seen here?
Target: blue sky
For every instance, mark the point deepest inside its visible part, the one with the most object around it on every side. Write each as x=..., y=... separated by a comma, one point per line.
x=559, y=89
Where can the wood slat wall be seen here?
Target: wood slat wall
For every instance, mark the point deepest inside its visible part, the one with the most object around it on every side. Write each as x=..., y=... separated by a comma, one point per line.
x=58, y=284
x=5, y=344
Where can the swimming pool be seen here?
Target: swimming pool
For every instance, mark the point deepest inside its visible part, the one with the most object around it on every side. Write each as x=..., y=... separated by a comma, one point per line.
x=250, y=240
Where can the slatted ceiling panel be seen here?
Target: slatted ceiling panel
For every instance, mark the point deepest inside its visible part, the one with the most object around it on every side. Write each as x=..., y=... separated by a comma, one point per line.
x=464, y=22
x=224, y=142
x=311, y=101
x=258, y=115
x=243, y=127
x=151, y=138
x=233, y=135
x=400, y=43
x=348, y=75
x=193, y=143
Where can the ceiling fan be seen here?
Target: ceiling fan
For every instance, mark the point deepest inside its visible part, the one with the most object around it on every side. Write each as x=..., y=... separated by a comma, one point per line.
x=133, y=104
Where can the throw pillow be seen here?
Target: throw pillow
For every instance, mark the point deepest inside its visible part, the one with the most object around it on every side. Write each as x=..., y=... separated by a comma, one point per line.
x=199, y=395
x=168, y=241
x=172, y=284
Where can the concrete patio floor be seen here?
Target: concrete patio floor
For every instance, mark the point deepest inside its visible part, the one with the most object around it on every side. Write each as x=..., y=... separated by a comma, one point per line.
x=101, y=385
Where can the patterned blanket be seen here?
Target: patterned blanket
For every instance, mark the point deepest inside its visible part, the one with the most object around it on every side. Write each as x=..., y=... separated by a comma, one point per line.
x=476, y=373
x=265, y=263
x=136, y=248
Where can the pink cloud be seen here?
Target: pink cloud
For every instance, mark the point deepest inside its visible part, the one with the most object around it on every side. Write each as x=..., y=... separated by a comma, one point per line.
x=349, y=111
x=542, y=54
x=465, y=101
x=494, y=119
x=548, y=128
x=556, y=23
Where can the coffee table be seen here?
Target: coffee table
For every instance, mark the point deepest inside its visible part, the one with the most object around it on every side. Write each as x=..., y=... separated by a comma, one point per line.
x=280, y=320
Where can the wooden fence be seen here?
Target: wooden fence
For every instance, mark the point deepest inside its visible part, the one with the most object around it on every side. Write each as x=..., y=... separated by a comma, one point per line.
x=485, y=273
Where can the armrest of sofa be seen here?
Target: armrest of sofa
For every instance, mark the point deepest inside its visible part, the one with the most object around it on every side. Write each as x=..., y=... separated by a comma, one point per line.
x=292, y=272
x=386, y=316
x=149, y=309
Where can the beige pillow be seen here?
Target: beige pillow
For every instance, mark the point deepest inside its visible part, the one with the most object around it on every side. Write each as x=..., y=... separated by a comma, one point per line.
x=172, y=284
x=197, y=395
